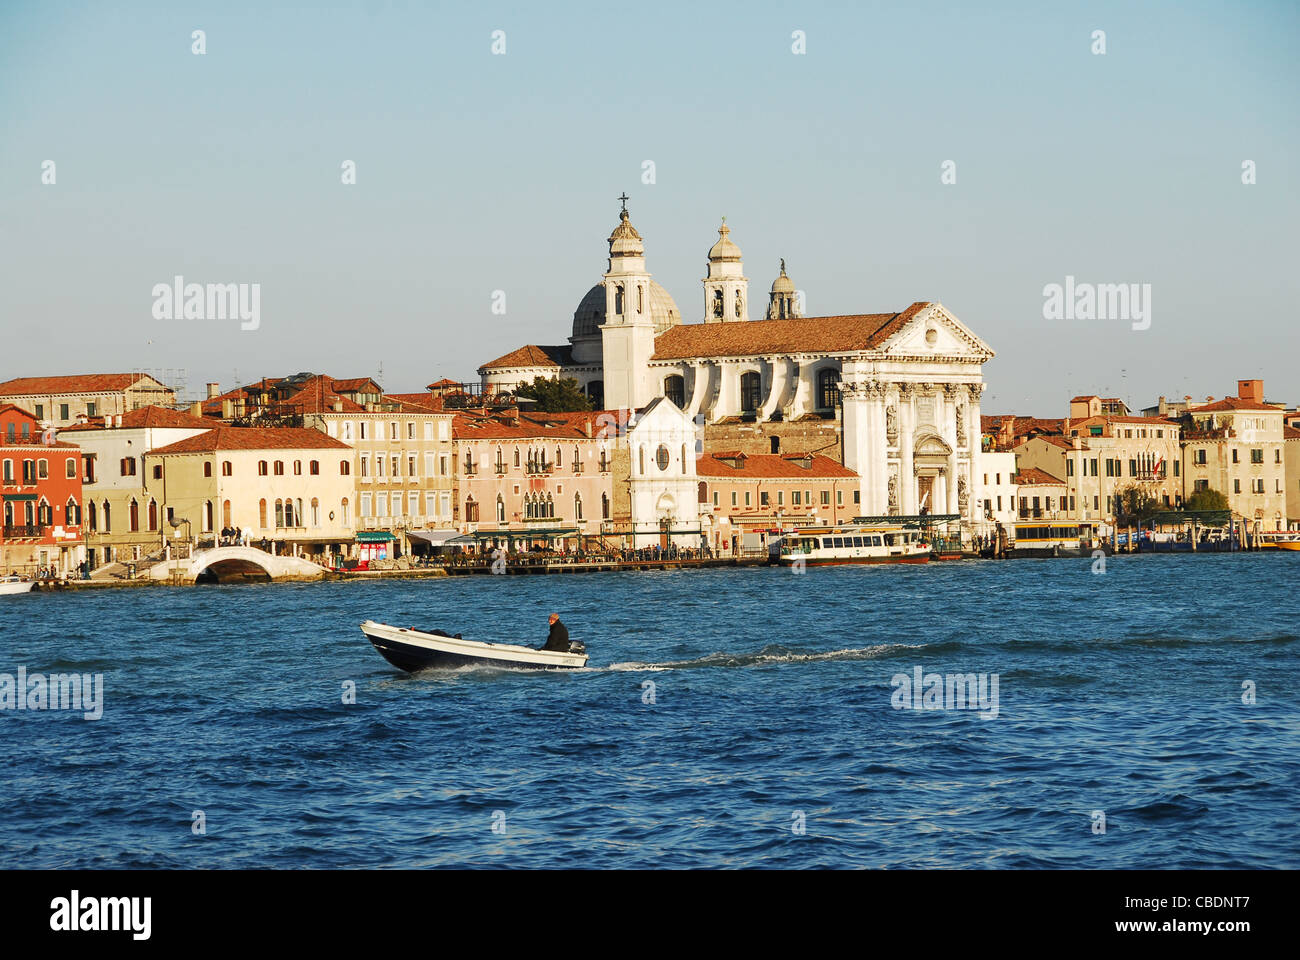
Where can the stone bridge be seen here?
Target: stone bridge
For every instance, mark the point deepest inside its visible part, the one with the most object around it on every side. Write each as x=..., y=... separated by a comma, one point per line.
x=226, y=564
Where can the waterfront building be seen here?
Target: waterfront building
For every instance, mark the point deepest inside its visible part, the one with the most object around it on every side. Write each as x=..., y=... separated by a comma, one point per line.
x=289, y=489
x=404, y=470
x=61, y=400
x=533, y=478
x=659, y=453
x=1236, y=446
x=123, y=521
x=762, y=494
x=1041, y=495
x=1000, y=490
x=41, y=497
x=892, y=396
x=1291, y=443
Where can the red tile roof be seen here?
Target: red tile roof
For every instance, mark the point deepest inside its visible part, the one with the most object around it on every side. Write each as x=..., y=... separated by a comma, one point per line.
x=444, y=382
x=840, y=334
x=254, y=438
x=75, y=383
x=771, y=466
x=531, y=425
x=1032, y=476
x=1290, y=433
x=145, y=417
x=533, y=356
x=1235, y=403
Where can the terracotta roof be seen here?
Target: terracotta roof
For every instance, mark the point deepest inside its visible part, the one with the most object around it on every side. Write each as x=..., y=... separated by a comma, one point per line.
x=1290, y=433
x=145, y=417
x=415, y=402
x=76, y=383
x=319, y=395
x=1032, y=476
x=1090, y=396
x=35, y=441
x=1235, y=403
x=533, y=356
x=355, y=385
x=840, y=334
x=771, y=466
x=7, y=407
x=468, y=426
x=254, y=438
x=444, y=382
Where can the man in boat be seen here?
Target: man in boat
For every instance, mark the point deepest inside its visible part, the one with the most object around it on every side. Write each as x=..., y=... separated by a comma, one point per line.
x=558, y=639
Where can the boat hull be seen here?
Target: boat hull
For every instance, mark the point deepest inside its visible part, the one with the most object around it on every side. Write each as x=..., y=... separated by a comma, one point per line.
x=786, y=561
x=413, y=650
x=10, y=587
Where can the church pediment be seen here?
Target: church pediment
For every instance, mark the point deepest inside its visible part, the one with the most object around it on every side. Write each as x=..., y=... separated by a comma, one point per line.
x=931, y=445
x=935, y=332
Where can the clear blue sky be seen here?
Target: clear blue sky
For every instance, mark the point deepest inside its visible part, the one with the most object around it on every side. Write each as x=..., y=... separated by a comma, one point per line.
x=479, y=172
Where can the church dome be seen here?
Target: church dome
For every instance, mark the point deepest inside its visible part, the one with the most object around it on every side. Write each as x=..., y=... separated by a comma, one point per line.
x=724, y=251
x=783, y=284
x=591, y=310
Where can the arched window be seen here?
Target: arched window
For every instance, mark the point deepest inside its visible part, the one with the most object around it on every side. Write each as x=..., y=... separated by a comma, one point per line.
x=346, y=518
x=315, y=511
x=828, y=389
x=641, y=460
x=750, y=386
x=225, y=514
x=577, y=506
x=133, y=517
x=279, y=514
x=279, y=468
x=604, y=506
x=108, y=518
x=261, y=514
x=703, y=492
x=345, y=468
x=550, y=506
x=516, y=456
x=153, y=511
x=501, y=509
x=297, y=468
x=740, y=305
x=618, y=299
x=207, y=516
x=315, y=468
x=91, y=515
x=207, y=468
x=72, y=513
x=44, y=514
x=719, y=309
x=261, y=468
x=675, y=389
x=640, y=298
x=226, y=468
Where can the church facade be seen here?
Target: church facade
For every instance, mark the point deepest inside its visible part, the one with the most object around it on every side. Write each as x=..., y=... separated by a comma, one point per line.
x=895, y=397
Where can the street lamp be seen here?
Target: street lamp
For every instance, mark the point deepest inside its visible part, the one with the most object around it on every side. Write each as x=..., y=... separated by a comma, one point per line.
x=176, y=528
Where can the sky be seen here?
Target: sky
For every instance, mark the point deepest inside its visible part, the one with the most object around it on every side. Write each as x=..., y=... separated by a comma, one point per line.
x=478, y=172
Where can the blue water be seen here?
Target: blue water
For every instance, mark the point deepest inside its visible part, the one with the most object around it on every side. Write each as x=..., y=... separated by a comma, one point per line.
x=1119, y=693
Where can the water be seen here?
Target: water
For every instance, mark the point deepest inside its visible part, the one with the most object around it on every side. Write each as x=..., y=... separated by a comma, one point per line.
x=1119, y=692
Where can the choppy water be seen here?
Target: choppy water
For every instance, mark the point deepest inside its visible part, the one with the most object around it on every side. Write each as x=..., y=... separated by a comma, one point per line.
x=772, y=697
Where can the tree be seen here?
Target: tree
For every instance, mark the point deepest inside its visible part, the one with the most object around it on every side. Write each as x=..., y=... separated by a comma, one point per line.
x=1206, y=499
x=554, y=395
x=1134, y=505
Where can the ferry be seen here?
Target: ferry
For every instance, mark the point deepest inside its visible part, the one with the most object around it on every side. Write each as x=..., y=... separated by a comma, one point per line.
x=853, y=543
x=1055, y=538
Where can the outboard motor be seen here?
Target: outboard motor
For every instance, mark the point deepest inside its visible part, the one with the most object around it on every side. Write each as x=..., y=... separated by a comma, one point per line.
x=578, y=647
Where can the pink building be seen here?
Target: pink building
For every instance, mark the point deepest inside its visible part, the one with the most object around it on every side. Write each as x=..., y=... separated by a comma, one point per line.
x=536, y=479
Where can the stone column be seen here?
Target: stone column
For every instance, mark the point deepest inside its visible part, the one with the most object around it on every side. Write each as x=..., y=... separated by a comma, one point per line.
x=906, y=424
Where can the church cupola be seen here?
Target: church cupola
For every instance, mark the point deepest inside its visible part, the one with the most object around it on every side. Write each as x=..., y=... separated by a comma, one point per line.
x=783, y=301
x=726, y=288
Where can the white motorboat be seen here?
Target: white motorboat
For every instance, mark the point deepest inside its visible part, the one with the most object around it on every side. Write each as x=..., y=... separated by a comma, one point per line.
x=853, y=543
x=10, y=585
x=412, y=650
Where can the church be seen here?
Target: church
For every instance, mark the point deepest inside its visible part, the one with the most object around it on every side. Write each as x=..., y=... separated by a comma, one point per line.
x=894, y=397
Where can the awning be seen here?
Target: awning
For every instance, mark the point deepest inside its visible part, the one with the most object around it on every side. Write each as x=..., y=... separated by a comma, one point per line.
x=20, y=496
x=433, y=537
x=374, y=536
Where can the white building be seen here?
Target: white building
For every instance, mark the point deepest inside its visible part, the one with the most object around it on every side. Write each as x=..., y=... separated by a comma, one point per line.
x=664, y=487
x=900, y=392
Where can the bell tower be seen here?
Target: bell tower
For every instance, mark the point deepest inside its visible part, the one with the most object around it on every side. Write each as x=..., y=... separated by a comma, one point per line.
x=726, y=288
x=628, y=334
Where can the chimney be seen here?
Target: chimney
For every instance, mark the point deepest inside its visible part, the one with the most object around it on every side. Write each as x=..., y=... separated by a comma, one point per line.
x=196, y=408
x=214, y=390
x=587, y=427
x=227, y=410
x=338, y=406
x=1251, y=390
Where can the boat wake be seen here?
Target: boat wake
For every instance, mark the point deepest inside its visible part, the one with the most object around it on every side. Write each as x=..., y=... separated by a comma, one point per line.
x=771, y=654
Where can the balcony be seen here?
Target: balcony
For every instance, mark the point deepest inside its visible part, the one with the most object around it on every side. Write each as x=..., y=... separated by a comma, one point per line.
x=23, y=531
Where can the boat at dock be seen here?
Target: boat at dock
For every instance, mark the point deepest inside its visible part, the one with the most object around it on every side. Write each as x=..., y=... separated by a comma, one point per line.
x=15, y=585
x=1056, y=538
x=410, y=649
x=852, y=543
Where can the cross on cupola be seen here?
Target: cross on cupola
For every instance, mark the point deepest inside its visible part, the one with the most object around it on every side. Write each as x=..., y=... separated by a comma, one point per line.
x=624, y=199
